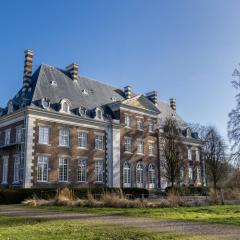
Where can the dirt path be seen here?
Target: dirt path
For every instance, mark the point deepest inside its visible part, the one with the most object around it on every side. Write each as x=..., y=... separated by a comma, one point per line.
x=220, y=231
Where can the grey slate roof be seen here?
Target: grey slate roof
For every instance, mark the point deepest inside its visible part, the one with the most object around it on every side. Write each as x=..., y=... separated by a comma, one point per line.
x=98, y=94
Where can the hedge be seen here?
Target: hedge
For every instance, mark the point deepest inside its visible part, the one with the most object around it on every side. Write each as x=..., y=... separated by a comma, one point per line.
x=16, y=196
x=191, y=190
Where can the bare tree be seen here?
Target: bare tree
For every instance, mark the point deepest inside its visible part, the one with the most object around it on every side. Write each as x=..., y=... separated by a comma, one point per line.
x=215, y=156
x=172, y=148
x=234, y=123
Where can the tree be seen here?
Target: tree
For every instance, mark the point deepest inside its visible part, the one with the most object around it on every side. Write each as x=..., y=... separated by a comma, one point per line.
x=214, y=156
x=172, y=148
x=234, y=123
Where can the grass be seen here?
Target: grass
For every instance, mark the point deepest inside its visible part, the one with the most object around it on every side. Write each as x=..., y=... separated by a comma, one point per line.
x=227, y=214
x=22, y=228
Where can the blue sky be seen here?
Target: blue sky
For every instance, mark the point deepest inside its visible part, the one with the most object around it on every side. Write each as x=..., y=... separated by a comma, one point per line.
x=185, y=49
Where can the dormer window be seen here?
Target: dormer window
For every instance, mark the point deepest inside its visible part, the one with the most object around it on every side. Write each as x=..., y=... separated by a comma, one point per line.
x=53, y=83
x=10, y=107
x=98, y=113
x=85, y=91
x=65, y=106
x=82, y=111
x=45, y=102
x=188, y=132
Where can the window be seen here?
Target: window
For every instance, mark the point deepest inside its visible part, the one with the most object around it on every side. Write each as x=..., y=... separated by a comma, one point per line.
x=43, y=135
x=82, y=139
x=189, y=153
x=128, y=144
x=198, y=173
x=190, y=172
x=98, y=113
x=139, y=175
x=140, y=147
x=10, y=107
x=126, y=175
x=16, y=175
x=127, y=120
x=42, y=169
x=197, y=155
x=99, y=142
x=64, y=137
x=140, y=125
x=181, y=174
x=150, y=126
x=65, y=105
x=82, y=170
x=7, y=136
x=5, y=170
x=18, y=134
x=99, y=170
x=63, y=169
x=152, y=148
x=151, y=176
x=188, y=132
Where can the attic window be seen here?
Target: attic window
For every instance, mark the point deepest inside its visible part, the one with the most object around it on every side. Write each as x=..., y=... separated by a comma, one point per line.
x=45, y=102
x=82, y=111
x=10, y=107
x=65, y=106
x=98, y=113
x=113, y=99
x=188, y=132
x=85, y=91
x=53, y=83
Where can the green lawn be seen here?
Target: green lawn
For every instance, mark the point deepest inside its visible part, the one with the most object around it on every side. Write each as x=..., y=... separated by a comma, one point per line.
x=228, y=214
x=30, y=229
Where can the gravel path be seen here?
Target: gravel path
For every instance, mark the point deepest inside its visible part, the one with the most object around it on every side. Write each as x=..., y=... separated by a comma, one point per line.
x=220, y=231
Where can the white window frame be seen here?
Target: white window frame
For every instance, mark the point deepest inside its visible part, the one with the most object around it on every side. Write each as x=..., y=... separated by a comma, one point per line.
x=64, y=137
x=127, y=120
x=7, y=139
x=63, y=169
x=140, y=146
x=19, y=134
x=5, y=170
x=140, y=175
x=82, y=170
x=197, y=153
x=190, y=173
x=42, y=168
x=126, y=175
x=65, y=103
x=152, y=148
x=152, y=176
x=43, y=135
x=140, y=124
x=16, y=170
x=150, y=126
x=189, y=151
x=99, y=145
x=127, y=144
x=82, y=139
x=99, y=171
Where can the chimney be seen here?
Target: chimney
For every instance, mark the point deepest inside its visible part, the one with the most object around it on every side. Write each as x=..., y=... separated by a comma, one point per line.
x=27, y=69
x=173, y=103
x=128, y=91
x=152, y=96
x=73, y=70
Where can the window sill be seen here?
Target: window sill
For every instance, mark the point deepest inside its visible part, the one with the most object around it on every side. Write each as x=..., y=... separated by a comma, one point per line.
x=126, y=152
x=44, y=144
x=152, y=155
x=84, y=148
x=64, y=146
x=102, y=150
x=81, y=181
x=127, y=127
x=141, y=130
x=140, y=154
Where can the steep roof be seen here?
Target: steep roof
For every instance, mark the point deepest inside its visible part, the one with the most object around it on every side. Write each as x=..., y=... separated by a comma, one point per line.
x=56, y=84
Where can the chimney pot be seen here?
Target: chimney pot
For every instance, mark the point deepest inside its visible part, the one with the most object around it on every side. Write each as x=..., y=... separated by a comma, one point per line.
x=73, y=70
x=152, y=96
x=128, y=91
x=173, y=104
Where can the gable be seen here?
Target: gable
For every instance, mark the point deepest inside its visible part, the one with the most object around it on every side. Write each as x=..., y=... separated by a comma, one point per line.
x=140, y=102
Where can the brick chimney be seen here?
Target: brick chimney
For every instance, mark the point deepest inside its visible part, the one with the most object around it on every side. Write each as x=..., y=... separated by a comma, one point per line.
x=27, y=69
x=73, y=70
x=173, y=104
x=128, y=91
x=152, y=96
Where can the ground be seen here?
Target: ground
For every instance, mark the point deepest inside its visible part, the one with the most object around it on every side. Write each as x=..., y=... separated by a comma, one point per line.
x=18, y=222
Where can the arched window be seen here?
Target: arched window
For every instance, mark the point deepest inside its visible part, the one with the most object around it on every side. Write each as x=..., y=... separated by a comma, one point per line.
x=140, y=175
x=151, y=176
x=126, y=175
x=98, y=113
x=10, y=107
x=188, y=132
x=65, y=106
